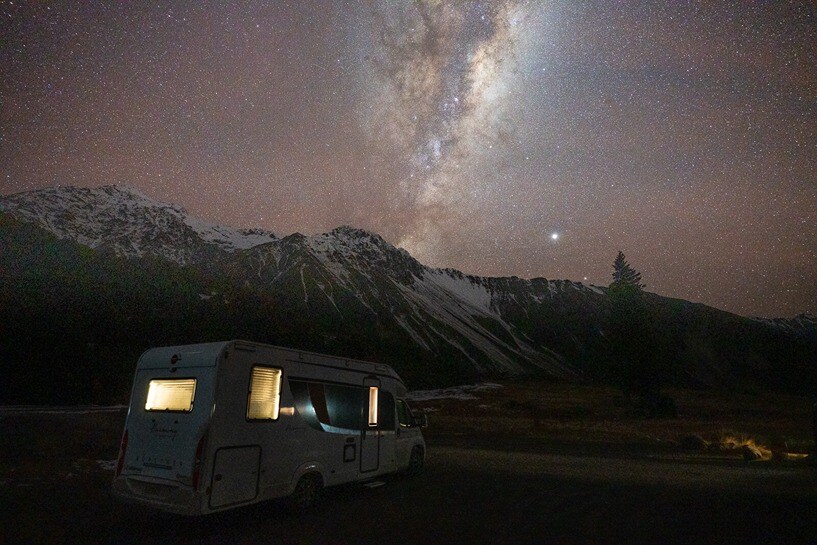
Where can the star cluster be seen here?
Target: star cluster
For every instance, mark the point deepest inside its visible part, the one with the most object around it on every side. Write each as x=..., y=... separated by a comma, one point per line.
x=508, y=137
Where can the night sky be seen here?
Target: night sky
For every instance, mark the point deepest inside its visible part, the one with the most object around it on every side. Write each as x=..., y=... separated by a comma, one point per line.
x=499, y=138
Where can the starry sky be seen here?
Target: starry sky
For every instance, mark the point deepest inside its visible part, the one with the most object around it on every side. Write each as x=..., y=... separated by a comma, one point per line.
x=526, y=138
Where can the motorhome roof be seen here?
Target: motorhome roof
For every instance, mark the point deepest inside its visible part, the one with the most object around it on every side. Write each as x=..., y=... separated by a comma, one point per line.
x=206, y=355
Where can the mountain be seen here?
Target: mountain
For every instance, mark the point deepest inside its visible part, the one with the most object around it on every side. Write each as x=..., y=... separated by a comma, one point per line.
x=802, y=325
x=98, y=275
x=349, y=273
x=344, y=274
x=128, y=223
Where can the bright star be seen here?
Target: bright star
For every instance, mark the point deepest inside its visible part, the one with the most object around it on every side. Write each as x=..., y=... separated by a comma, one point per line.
x=554, y=236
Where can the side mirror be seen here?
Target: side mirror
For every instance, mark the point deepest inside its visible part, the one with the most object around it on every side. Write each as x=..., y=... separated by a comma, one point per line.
x=420, y=421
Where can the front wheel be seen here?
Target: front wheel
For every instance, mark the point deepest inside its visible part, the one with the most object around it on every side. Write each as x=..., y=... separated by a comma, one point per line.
x=306, y=494
x=415, y=465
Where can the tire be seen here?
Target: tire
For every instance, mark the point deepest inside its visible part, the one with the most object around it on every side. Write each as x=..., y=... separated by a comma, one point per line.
x=307, y=493
x=415, y=465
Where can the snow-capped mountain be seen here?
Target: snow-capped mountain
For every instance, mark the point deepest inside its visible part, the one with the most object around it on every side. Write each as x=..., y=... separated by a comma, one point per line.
x=346, y=291
x=129, y=223
x=347, y=275
x=351, y=272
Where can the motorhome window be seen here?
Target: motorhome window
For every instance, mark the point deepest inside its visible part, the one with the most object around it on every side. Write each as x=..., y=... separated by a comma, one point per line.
x=264, y=398
x=345, y=405
x=303, y=403
x=373, y=398
x=317, y=395
x=403, y=414
x=171, y=395
x=332, y=408
x=386, y=416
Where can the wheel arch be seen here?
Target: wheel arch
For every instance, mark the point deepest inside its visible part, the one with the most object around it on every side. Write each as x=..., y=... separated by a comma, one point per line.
x=305, y=469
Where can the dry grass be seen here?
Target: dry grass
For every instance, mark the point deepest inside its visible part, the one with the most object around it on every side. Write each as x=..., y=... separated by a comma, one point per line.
x=598, y=414
x=731, y=443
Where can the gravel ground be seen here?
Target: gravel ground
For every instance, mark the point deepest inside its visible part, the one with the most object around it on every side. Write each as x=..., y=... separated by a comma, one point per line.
x=466, y=495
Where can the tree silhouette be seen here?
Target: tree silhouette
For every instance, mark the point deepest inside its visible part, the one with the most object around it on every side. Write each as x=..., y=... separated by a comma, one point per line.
x=625, y=275
x=634, y=337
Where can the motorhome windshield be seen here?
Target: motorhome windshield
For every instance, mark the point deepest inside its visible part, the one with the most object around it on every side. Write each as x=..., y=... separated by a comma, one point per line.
x=404, y=415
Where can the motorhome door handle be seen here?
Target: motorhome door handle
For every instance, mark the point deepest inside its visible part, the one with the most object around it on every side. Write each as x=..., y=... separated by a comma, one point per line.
x=217, y=477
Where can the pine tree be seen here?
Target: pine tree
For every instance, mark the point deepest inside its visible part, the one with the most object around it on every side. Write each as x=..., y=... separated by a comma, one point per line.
x=634, y=342
x=624, y=275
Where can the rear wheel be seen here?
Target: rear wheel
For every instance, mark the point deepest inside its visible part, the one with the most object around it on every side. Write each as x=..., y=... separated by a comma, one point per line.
x=415, y=465
x=307, y=493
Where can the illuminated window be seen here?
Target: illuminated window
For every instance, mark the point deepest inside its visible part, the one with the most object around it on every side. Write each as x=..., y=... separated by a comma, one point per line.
x=264, y=399
x=171, y=395
x=373, y=405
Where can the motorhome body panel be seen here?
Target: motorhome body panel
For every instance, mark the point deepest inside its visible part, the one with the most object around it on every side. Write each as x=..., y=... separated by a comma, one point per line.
x=159, y=463
x=292, y=441
x=322, y=425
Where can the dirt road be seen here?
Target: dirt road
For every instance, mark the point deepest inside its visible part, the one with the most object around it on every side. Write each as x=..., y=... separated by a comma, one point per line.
x=466, y=495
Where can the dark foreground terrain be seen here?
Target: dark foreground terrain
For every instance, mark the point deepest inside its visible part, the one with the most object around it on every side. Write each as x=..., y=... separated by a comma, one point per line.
x=532, y=486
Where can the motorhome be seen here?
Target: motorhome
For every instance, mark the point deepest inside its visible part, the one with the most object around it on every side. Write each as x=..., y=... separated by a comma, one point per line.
x=219, y=425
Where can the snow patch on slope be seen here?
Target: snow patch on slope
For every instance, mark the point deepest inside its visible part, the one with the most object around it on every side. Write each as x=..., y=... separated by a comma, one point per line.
x=461, y=287
x=228, y=238
x=463, y=393
x=805, y=323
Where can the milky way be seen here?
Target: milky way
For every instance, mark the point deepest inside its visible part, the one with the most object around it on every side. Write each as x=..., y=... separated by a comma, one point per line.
x=440, y=71
x=467, y=132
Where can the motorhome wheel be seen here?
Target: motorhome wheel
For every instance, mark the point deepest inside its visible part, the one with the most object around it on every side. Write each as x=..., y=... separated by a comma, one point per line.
x=306, y=493
x=415, y=466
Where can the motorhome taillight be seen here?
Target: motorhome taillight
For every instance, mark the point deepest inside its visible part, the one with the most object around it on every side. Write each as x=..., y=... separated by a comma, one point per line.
x=123, y=447
x=197, y=462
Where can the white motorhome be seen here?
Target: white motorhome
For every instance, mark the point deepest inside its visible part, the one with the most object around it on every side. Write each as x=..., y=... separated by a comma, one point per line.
x=218, y=425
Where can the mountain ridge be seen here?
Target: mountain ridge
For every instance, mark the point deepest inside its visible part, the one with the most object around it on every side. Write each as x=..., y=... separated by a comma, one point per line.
x=348, y=291
x=27, y=206
x=128, y=222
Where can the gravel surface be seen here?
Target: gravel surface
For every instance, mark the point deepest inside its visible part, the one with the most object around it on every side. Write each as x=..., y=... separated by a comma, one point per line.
x=466, y=495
